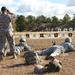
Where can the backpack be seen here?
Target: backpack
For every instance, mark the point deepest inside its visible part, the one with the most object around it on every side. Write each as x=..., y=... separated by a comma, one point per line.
x=31, y=57
x=53, y=66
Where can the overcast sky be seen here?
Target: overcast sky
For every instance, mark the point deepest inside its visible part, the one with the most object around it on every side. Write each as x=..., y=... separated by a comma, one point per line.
x=47, y=8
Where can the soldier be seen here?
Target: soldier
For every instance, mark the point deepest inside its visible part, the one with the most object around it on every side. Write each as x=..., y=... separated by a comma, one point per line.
x=68, y=45
x=22, y=46
x=57, y=50
x=53, y=51
x=12, y=16
x=6, y=32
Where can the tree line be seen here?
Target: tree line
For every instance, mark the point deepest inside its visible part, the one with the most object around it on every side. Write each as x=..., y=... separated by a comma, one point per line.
x=42, y=23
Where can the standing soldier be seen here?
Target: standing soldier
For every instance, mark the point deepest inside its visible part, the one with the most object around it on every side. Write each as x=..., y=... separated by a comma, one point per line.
x=6, y=32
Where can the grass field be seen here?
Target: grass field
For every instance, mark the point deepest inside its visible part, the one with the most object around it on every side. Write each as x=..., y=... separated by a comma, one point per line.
x=17, y=66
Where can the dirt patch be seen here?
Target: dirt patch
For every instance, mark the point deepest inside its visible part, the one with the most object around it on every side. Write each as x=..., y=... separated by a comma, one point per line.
x=17, y=66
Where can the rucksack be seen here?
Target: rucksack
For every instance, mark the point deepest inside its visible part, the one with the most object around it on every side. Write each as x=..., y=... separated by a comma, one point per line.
x=53, y=66
x=31, y=57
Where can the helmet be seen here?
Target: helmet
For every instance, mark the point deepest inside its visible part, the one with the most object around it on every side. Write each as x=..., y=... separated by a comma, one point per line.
x=68, y=40
x=39, y=69
x=22, y=40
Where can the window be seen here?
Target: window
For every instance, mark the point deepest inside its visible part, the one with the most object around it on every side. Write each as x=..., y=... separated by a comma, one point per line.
x=49, y=35
x=27, y=35
x=34, y=35
x=70, y=34
x=56, y=35
x=63, y=35
x=20, y=35
x=41, y=35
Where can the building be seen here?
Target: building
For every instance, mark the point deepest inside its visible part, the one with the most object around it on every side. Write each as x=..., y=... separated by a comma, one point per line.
x=47, y=35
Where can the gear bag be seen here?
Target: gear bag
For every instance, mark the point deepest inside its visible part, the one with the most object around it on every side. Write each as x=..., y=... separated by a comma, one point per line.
x=31, y=57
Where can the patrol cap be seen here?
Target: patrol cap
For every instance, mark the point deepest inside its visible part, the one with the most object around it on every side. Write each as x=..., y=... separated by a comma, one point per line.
x=22, y=40
x=68, y=40
x=3, y=8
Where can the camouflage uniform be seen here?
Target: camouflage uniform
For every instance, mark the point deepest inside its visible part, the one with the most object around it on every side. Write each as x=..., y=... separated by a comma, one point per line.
x=6, y=32
x=22, y=46
x=68, y=45
x=53, y=51
x=57, y=50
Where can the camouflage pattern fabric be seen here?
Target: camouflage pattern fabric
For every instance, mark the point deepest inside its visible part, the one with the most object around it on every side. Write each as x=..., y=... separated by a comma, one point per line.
x=67, y=46
x=22, y=46
x=5, y=32
x=55, y=50
x=31, y=57
x=54, y=65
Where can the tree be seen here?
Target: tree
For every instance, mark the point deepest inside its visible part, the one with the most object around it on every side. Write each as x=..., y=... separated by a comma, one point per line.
x=55, y=20
x=48, y=20
x=41, y=19
x=21, y=23
x=31, y=22
x=30, y=18
x=72, y=22
x=66, y=19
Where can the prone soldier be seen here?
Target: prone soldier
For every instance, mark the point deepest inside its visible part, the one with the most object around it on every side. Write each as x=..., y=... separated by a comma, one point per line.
x=22, y=46
x=57, y=50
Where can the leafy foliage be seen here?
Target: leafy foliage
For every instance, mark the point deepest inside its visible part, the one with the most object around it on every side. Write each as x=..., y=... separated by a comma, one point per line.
x=42, y=23
x=66, y=19
x=21, y=23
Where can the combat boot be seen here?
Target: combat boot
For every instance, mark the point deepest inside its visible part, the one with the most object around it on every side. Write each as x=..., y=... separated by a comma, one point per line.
x=14, y=56
x=5, y=53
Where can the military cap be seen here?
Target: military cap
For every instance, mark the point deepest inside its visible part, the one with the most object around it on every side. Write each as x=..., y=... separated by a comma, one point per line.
x=3, y=8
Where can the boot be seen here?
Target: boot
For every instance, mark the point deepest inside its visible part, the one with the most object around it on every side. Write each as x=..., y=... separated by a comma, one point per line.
x=1, y=56
x=14, y=55
x=5, y=53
